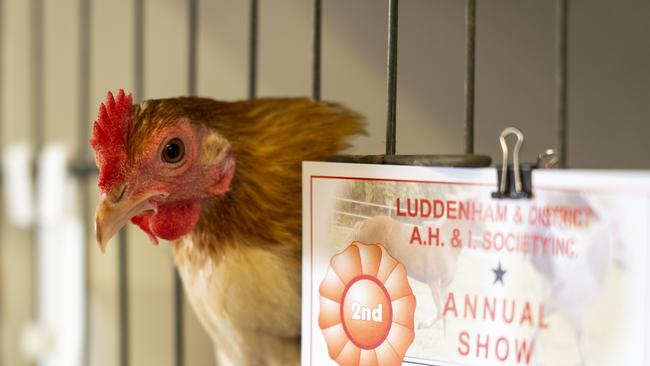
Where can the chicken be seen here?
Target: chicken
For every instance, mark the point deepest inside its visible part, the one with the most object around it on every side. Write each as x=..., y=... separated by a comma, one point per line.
x=222, y=182
x=434, y=266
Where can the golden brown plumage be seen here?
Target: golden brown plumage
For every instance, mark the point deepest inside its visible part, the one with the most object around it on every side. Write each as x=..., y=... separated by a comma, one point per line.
x=259, y=226
x=270, y=138
x=236, y=242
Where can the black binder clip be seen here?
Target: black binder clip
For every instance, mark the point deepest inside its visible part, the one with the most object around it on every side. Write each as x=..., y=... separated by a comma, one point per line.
x=516, y=180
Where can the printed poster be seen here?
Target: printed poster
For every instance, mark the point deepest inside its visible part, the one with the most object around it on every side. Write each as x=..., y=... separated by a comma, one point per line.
x=421, y=266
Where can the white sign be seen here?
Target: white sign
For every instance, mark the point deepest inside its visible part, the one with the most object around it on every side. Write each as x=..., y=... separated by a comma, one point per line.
x=422, y=266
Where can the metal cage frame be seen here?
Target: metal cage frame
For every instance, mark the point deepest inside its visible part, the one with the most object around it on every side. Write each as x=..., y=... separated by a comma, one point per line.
x=84, y=168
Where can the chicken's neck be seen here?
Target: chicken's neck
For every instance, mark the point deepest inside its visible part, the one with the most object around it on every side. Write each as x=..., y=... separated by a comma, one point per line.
x=260, y=209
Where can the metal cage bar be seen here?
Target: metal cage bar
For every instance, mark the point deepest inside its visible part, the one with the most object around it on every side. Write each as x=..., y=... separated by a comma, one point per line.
x=123, y=297
x=83, y=114
x=469, y=159
x=37, y=79
x=561, y=81
x=252, y=49
x=391, y=108
x=36, y=132
x=316, y=49
x=83, y=167
x=138, y=49
x=179, y=319
x=470, y=59
x=192, y=40
x=123, y=253
x=179, y=354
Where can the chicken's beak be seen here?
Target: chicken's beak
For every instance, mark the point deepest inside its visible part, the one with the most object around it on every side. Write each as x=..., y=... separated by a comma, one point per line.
x=112, y=214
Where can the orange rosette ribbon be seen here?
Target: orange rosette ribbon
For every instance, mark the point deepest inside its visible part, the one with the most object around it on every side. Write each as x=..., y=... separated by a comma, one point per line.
x=366, y=307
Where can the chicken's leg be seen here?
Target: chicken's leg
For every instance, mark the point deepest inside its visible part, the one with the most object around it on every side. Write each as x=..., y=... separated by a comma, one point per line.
x=434, y=287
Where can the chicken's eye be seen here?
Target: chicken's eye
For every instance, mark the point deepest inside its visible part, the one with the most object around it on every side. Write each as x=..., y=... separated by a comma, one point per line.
x=174, y=151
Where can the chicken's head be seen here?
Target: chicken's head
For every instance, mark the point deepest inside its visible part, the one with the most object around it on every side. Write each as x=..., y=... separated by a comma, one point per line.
x=156, y=164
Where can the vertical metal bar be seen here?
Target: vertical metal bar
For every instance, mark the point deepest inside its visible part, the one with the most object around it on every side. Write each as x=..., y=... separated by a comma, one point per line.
x=391, y=123
x=123, y=298
x=138, y=50
x=179, y=331
x=36, y=131
x=84, y=75
x=316, y=62
x=252, y=50
x=178, y=321
x=470, y=59
x=192, y=47
x=122, y=238
x=36, y=60
x=83, y=118
x=561, y=83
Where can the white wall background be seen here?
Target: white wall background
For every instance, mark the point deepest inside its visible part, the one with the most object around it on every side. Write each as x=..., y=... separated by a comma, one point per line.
x=609, y=111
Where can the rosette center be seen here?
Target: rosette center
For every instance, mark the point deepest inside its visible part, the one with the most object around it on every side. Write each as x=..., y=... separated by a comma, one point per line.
x=366, y=312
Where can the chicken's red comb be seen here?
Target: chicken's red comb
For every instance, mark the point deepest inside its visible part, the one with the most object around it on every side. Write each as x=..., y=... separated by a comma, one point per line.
x=109, y=138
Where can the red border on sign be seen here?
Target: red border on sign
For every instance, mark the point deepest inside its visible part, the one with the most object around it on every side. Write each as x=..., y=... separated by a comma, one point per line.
x=311, y=235
x=480, y=184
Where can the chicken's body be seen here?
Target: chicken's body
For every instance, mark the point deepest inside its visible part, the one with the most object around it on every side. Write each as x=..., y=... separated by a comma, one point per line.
x=247, y=292
x=238, y=250
x=248, y=300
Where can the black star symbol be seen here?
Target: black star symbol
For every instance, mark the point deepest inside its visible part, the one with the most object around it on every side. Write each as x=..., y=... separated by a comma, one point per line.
x=498, y=274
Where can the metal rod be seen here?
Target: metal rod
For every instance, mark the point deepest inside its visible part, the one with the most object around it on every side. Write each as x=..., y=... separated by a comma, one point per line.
x=179, y=331
x=123, y=299
x=252, y=49
x=468, y=161
x=192, y=46
x=470, y=59
x=36, y=131
x=83, y=117
x=138, y=50
x=37, y=80
x=83, y=114
x=316, y=62
x=561, y=81
x=122, y=238
x=391, y=123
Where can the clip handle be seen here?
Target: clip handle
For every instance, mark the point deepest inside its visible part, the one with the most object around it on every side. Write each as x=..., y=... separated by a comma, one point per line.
x=515, y=158
x=515, y=181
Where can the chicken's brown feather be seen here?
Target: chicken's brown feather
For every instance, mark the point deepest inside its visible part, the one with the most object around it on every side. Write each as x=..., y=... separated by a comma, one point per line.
x=241, y=263
x=270, y=138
